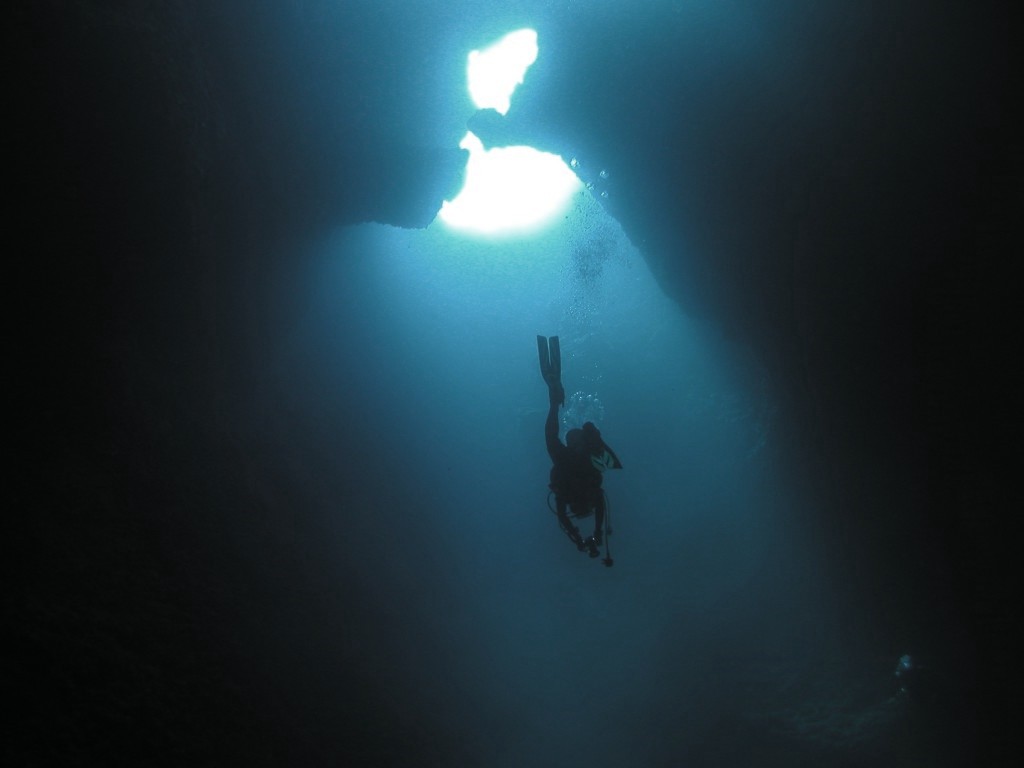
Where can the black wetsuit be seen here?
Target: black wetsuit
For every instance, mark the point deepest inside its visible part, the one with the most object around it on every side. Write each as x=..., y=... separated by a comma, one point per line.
x=575, y=480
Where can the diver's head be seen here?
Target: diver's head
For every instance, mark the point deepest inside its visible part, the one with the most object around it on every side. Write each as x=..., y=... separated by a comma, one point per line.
x=592, y=438
x=575, y=439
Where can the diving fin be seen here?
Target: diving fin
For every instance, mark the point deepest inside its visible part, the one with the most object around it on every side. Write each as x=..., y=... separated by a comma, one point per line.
x=545, y=359
x=550, y=355
x=556, y=359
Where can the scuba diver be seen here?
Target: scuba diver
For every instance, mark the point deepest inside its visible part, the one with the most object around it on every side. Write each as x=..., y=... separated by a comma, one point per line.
x=576, y=465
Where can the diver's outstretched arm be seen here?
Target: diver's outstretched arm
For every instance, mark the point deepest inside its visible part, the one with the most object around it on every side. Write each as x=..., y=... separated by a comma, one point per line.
x=554, y=445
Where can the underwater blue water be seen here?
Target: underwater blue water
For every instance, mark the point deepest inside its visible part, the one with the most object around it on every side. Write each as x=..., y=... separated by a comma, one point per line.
x=523, y=647
x=718, y=637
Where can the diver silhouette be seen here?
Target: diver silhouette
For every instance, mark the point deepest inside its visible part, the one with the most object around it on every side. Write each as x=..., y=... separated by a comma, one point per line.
x=578, y=464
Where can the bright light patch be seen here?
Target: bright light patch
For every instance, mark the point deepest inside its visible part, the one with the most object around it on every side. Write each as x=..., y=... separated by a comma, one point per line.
x=495, y=72
x=509, y=190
